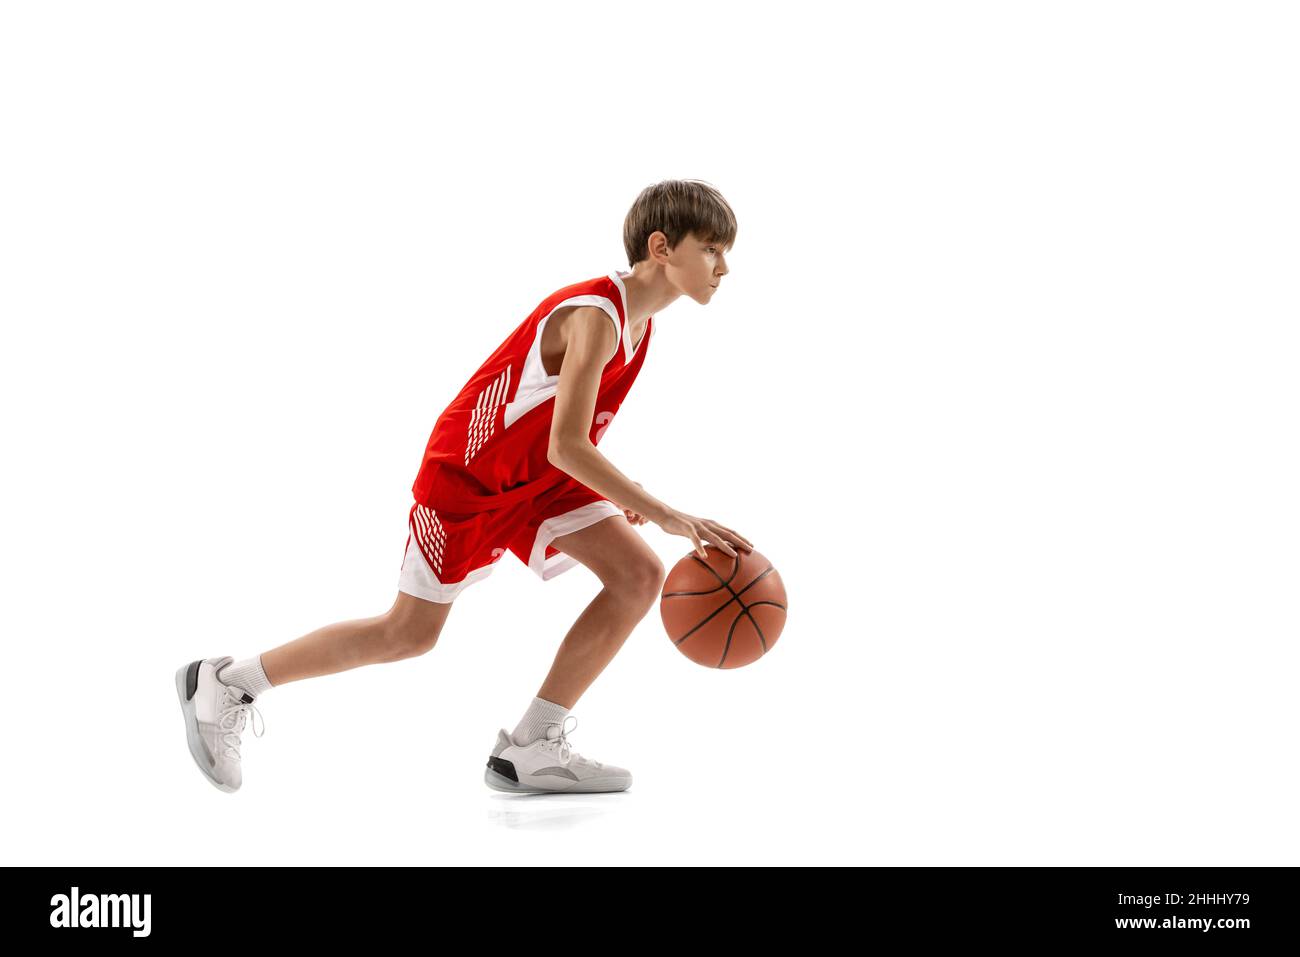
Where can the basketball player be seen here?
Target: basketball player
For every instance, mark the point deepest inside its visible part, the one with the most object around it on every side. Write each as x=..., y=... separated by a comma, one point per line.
x=512, y=465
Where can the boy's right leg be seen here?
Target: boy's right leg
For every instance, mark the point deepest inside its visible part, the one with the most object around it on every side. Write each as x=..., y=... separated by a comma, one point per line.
x=217, y=694
x=215, y=706
x=408, y=629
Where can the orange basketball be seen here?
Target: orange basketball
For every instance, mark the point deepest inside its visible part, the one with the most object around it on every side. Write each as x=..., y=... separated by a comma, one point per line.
x=723, y=612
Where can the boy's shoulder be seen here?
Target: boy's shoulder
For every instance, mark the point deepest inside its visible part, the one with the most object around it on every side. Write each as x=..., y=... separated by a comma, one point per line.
x=602, y=293
x=608, y=287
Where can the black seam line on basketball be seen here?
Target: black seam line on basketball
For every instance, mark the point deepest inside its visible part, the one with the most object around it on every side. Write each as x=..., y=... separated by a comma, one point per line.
x=688, y=594
x=734, y=570
x=735, y=596
x=761, y=575
x=707, y=620
x=761, y=640
x=730, y=631
x=761, y=637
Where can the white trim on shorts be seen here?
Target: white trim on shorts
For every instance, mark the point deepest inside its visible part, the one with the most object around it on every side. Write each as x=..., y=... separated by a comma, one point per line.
x=553, y=528
x=418, y=579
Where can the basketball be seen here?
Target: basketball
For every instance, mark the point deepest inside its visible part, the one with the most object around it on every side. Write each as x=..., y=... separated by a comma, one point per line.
x=723, y=612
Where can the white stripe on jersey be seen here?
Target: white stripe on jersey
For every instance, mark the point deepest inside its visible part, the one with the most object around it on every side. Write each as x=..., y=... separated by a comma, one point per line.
x=483, y=422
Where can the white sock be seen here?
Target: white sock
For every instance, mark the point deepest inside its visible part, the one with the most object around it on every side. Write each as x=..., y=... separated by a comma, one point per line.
x=539, y=715
x=247, y=674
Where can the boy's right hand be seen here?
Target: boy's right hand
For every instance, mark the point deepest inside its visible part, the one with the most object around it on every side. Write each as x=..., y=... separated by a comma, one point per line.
x=700, y=530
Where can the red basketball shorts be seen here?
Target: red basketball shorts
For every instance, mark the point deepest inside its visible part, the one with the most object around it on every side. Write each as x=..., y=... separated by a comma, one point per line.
x=446, y=552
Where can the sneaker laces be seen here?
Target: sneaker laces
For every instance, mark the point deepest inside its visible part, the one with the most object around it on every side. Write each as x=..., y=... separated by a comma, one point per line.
x=561, y=740
x=236, y=710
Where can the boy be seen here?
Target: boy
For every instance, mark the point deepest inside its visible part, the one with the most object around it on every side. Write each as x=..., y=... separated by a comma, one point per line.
x=512, y=464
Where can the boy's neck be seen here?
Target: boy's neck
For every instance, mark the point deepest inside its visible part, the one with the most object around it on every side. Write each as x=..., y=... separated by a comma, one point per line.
x=648, y=292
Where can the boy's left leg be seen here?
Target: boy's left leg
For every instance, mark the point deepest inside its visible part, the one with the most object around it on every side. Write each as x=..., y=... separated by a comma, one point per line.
x=632, y=576
x=537, y=757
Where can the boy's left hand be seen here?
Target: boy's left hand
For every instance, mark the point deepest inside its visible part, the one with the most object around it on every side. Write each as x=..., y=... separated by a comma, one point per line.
x=632, y=516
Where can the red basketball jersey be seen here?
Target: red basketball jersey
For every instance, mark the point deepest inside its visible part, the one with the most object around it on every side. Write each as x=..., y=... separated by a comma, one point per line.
x=488, y=448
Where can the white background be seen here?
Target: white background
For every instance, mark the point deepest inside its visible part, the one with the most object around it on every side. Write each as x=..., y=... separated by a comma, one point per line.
x=1003, y=381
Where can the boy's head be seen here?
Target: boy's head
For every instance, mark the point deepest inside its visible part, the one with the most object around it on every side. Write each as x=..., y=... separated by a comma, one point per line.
x=686, y=225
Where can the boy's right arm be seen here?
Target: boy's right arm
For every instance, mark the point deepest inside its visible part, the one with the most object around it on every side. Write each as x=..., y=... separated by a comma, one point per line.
x=591, y=340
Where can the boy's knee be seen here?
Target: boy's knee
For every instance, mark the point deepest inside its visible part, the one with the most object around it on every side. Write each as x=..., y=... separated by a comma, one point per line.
x=409, y=638
x=643, y=578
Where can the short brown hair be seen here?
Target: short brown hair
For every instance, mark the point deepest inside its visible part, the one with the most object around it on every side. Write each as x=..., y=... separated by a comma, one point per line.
x=676, y=207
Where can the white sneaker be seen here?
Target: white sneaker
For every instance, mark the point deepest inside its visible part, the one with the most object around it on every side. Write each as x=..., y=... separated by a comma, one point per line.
x=215, y=713
x=549, y=764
